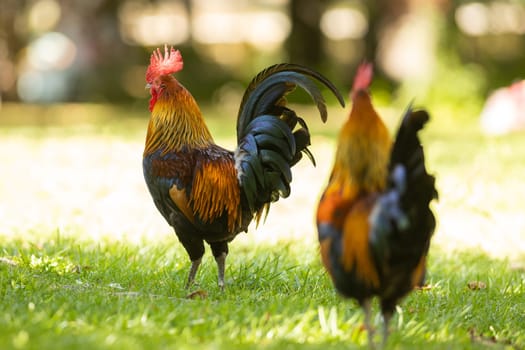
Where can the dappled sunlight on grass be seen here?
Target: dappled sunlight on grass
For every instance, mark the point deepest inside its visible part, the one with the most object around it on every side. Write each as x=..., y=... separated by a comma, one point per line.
x=480, y=180
x=90, y=186
x=88, y=183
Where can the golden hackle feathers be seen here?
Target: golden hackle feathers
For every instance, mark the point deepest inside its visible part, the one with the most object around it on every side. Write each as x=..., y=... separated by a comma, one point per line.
x=176, y=122
x=363, y=150
x=364, y=142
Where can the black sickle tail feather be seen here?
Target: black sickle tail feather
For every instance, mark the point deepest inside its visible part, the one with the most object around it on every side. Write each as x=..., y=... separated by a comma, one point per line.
x=402, y=220
x=267, y=90
x=408, y=152
x=271, y=137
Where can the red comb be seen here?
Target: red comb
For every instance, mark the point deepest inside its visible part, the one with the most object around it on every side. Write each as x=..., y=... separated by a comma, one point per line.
x=363, y=77
x=159, y=65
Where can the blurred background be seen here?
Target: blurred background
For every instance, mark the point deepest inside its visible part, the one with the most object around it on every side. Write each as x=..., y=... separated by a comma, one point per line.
x=97, y=51
x=73, y=108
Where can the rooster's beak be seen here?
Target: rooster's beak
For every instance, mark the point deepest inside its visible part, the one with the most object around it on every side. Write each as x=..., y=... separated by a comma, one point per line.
x=148, y=86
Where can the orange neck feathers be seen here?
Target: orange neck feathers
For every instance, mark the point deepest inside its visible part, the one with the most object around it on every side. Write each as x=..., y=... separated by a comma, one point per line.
x=363, y=150
x=176, y=122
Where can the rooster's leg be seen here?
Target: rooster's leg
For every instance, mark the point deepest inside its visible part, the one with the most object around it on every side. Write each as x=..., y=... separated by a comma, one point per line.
x=367, y=308
x=220, y=251
x=193, y=271
x=194, y=246
x=387, y=315
x=221, y=265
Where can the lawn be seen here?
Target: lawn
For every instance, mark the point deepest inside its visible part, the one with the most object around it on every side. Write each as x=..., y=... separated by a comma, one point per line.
x=86, y=262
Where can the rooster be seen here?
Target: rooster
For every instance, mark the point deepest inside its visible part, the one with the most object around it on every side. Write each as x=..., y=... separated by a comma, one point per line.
x=373, y=219
x=205, y=192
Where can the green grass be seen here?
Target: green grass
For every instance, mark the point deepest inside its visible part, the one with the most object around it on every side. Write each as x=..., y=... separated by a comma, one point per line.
x=86, y=262
x=63, y=293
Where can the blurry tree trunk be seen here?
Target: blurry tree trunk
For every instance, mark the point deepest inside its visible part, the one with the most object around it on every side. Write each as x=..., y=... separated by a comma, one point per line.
x=371, y=37
x=11, y=43
x=304, y=44
x=383, y=16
